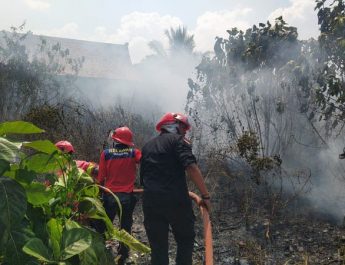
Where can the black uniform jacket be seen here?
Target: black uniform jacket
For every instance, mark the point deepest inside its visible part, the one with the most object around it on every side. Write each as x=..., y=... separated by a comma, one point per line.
x=162, y=169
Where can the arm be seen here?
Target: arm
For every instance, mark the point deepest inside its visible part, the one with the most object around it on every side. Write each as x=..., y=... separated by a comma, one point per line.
x=184, y=153
x=195, y=175
x=101, y=170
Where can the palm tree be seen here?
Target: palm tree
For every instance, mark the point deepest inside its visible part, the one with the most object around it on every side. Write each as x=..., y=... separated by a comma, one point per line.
x=180, y=40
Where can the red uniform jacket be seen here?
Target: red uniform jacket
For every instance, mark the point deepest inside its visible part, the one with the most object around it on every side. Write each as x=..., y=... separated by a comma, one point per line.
x=117, y=168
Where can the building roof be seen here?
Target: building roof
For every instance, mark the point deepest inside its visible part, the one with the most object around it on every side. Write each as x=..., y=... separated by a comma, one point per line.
x=100, y=60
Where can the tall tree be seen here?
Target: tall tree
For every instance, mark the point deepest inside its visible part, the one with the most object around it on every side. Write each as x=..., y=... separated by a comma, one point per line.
x=180, y=40
x=258, y=82
x=331, y=79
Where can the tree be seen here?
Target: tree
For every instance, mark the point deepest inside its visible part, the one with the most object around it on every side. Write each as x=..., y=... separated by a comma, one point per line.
x=180, y=40
x=244, y=89
x=258, y=83
x=331, y=77
x=31, y=80
x=34, y=87
x=180, y=44
x=250, y=102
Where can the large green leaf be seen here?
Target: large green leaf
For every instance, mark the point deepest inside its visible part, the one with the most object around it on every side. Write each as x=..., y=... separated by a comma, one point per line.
x=130, y=241
x=9, y=150
x=36, y=248
x=89, y=256
x=43, y=146
x=70, y=224
x=3, y=238
x=55, y=235
x=24, y=176
x=41, y=163
x=12, y=172
x=75, y=241
x=85, y=178
x=38, y=194
x=18, y=127
x=12, y=202
x=97, y=253
x=96, y=211
x=38, y=217
x=90, y=191
x=12, y=210
x=16, y=240
x=4, y=166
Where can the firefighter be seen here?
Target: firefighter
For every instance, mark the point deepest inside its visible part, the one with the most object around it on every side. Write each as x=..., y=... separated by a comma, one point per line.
x=117, y=172
x=65, y=146
x=90, y=168
x=165, y=160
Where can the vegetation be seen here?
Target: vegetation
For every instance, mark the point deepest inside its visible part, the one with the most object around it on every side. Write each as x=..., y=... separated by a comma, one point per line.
x=180, y=43
x=267, y=109
x=46, y=205
x=180, y=40
x=331, y=77
x=29, y=82
x=264, y=101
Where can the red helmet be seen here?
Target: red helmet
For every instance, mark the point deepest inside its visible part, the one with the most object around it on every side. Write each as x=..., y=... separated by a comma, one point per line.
x=170, y=118
x=123, y=135
x=65, y=146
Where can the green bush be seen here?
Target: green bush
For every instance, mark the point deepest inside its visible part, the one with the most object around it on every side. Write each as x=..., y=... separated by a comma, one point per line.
x=46, y=203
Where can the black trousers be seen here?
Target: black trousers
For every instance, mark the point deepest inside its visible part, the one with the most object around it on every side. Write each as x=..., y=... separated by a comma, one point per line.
x=157, y=220
x=128, y=202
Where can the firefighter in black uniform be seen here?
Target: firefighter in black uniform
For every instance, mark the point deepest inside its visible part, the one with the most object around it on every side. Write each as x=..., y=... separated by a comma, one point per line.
x=165, y=160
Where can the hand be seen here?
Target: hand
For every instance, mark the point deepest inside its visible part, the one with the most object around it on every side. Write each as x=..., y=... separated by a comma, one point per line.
x=207, y=204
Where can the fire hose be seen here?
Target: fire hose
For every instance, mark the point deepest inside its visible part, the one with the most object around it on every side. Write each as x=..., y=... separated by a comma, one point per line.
x=207, y=226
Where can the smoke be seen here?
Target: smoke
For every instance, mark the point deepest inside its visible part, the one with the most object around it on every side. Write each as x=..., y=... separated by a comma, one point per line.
x=272, y=102
x=107, y=76
x=327, y=190
x=155, y=85
x=164, y=81
x=159, y=84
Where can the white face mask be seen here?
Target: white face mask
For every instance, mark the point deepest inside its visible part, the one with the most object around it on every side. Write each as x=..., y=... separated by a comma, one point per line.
x=171, y=128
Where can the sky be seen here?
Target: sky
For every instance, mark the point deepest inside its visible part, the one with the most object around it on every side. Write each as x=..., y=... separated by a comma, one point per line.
x=140, y=21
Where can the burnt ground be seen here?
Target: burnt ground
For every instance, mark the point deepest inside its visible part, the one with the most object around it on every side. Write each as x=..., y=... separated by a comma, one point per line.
x=288, y=239
x=257, y=223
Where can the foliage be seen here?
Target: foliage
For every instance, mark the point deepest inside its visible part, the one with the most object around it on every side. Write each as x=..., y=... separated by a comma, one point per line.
x=331, y=78
x=265, y=45
x=181, y=44
x=28, y=80
x=250, y=83
x=247, y=101
x=332, y=38
x=46, y=204
x=248, y=148
x=33, y=87
x=179, y=40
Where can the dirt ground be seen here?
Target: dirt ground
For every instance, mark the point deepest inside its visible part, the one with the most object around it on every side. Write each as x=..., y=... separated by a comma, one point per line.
x=289, y=239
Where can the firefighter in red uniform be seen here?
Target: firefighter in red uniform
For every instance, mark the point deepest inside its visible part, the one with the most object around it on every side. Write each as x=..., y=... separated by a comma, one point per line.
x=117, y=172
x=65, y=146
x=90, y=168
x=166, y=202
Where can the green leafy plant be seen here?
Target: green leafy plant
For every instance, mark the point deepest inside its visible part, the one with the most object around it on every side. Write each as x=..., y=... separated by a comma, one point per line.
x=46, y=204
